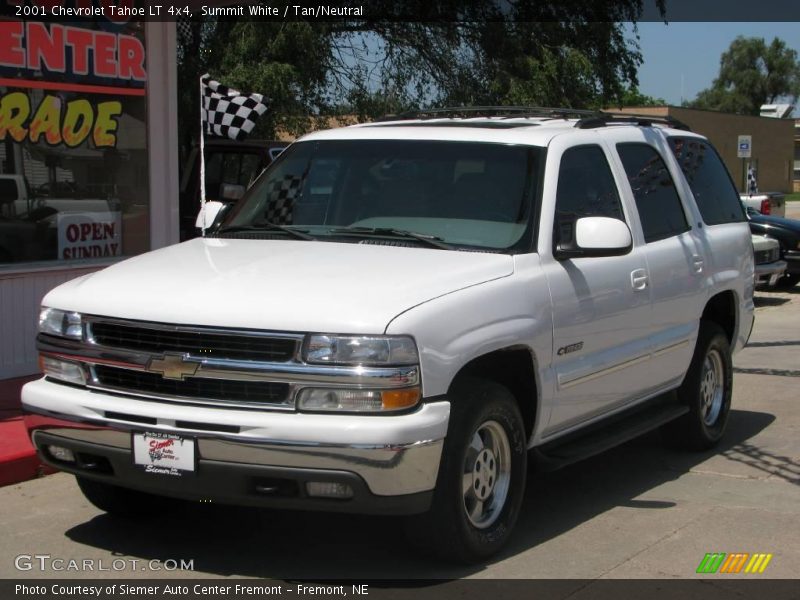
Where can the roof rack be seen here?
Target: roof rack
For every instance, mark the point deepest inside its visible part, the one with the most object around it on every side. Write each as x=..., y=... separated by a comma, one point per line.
x=605, y=119
x=507, y=112
x=587, y=119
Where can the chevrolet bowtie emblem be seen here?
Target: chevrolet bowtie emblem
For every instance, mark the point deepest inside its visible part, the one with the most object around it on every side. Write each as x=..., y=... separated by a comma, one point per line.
x=173, y=366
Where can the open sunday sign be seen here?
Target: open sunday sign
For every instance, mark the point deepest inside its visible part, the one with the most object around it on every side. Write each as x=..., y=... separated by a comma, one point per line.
x=89, y=235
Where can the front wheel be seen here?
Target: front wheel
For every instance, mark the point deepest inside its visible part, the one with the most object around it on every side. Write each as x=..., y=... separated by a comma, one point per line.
x=481, y=476
x=707, y=390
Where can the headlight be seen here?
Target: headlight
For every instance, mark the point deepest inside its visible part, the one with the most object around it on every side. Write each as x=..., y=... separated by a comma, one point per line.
x=350, y=400
x=361, y=350
x=61, y=323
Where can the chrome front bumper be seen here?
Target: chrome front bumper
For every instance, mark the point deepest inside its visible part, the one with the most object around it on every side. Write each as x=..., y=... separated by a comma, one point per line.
x=769, y=273
x=392, y=456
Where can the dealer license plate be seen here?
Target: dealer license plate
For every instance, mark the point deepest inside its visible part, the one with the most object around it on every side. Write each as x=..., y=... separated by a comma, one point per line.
x=164, y=453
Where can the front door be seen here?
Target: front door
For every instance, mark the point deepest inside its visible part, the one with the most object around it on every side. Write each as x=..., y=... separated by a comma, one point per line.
x=601, y=306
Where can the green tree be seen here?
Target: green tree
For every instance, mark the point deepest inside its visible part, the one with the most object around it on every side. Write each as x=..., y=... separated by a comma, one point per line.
x=454, y=53
x=752, y=73
x=633, y=97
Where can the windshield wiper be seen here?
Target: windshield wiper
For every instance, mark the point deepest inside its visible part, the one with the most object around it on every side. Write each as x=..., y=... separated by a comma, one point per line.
x=430, y=240
x=267, y=226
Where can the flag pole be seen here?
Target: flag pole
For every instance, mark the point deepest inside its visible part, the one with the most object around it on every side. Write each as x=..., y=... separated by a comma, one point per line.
x=202, y=165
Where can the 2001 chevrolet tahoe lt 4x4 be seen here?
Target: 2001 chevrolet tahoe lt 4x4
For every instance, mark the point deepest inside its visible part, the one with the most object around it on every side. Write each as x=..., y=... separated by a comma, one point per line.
x=397, y=316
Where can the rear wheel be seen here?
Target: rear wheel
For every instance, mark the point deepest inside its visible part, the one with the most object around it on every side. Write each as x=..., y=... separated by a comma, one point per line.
x=481, y=476
x=707, y=390
x=121, y=501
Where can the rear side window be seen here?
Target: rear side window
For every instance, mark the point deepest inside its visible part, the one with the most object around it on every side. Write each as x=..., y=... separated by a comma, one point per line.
x=657, y=200
x=710, y=181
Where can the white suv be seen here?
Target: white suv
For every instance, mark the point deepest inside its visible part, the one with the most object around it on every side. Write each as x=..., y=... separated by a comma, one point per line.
x=398, y=316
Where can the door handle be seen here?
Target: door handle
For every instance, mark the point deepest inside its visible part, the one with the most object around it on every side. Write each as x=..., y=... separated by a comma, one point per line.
x=697, y=263
x=639, y=279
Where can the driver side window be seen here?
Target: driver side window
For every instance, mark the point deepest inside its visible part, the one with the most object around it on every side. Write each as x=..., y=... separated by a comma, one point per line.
x=586, y=188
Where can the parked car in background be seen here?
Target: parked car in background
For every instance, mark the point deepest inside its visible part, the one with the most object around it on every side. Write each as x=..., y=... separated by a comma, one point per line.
x=767, y=203
x=767, y=255
x=230, y=169
x=787, y=233
x=15, y=196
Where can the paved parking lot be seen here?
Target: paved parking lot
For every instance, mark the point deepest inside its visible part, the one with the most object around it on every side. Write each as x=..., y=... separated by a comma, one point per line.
x=639, y=511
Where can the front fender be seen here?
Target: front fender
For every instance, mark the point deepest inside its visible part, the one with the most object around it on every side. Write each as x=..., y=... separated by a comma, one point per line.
x=456, y=328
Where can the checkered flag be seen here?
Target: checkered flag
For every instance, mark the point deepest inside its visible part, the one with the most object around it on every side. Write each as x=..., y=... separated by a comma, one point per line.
x=752, y=184
x=281, y=198
x=227, y=112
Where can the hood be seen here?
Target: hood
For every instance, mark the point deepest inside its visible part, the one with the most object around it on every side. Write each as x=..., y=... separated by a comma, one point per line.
x=790, y=224
x=281, y=285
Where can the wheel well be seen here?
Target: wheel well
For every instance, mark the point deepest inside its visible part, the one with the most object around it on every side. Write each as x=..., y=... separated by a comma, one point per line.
x=514, y=369
x=721, y=309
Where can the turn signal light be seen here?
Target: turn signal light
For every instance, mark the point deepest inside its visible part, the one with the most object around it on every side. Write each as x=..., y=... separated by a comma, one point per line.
x=399, y=399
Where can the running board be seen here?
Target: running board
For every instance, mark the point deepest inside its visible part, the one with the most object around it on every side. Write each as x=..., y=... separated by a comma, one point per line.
x=605, y=435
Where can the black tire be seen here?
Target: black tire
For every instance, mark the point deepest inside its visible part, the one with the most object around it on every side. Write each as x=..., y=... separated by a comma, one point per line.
x=707, y=390
x=787, y=281
x=483, y=460
x=122, y=502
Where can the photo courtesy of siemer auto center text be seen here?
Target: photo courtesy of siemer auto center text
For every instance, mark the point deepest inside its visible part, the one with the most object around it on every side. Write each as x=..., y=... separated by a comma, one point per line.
x=399, y=299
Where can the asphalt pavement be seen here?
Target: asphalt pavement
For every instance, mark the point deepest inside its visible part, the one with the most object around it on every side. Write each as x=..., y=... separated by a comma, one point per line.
x=638, y=511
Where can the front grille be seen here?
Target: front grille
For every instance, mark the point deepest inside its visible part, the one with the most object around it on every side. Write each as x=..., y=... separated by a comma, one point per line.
x=199, y=343
x=253, y=392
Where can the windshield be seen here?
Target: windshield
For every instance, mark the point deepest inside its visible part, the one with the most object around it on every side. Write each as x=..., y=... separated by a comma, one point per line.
x=459, y=193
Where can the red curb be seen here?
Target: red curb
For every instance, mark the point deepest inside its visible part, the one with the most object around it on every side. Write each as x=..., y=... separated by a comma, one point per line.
x=18, y=459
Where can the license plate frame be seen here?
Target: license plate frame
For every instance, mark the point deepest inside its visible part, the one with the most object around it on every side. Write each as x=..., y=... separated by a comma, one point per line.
x=159, y=453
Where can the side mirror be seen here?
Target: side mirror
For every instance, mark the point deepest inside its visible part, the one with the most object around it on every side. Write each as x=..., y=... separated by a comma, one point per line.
x=595, y=236
x=208, y=214
x=232, y=191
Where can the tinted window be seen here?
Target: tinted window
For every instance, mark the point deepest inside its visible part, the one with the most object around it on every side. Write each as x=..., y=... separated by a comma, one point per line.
x=711, y=184
x=586, y=188
x=657, y=200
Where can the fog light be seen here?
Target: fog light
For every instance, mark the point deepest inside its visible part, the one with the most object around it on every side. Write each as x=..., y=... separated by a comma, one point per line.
x=61, y=453
x=328, y=489
x=62, y=370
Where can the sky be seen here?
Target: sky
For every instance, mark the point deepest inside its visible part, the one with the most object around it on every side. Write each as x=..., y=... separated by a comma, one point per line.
x=680, y=59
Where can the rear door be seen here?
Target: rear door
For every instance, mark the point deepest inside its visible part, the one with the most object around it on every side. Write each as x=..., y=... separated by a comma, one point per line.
x=676, y=261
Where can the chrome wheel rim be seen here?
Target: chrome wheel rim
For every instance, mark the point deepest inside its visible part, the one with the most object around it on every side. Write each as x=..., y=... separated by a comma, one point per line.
x=712, y=388
x=487, y=474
